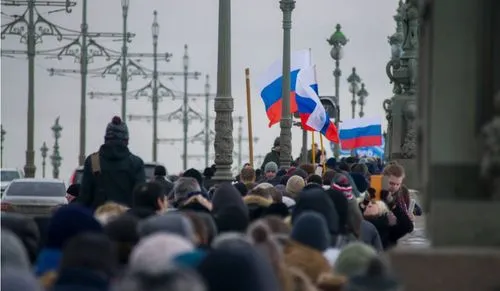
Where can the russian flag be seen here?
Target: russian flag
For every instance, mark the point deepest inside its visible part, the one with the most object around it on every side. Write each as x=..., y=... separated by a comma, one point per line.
x=361, y=132
x=270, y=84
x=312, y=113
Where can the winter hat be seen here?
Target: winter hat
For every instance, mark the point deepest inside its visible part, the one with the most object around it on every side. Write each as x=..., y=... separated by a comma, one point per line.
x=90, y=251
x=331, y=163
x=73, y=190
x=315, y=179
x=156, y=252
x=170, y=222
x=360, y=181
x=26, y=230
x=121, y=232
x=341, y=183
x=116, y=130
x=242, y=269
x=301, y=173
x=271, y=167
x=376, y=277
x=160, y=170
x=231, y=239
x=193, y=173
x=14, y=279
x=13, y=253
x=310, y=229
x=276, y=142
x=68, y=221
x=294, y=185
x=354, y=258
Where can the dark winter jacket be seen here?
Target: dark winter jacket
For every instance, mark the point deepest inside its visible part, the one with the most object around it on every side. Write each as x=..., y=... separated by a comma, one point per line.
x=120, y=172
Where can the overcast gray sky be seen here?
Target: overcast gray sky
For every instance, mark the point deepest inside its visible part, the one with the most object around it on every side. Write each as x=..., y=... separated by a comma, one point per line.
x=256, y=43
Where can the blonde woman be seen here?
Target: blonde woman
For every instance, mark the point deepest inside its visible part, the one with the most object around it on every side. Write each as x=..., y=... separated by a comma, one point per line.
x=108, y=211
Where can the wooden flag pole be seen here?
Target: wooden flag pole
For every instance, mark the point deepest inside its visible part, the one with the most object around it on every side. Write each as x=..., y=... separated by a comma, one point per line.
x=313, y=151
x=322, y=152
x=249, y=117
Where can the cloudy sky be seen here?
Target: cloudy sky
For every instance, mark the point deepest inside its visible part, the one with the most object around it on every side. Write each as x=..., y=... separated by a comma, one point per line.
x=256, y=43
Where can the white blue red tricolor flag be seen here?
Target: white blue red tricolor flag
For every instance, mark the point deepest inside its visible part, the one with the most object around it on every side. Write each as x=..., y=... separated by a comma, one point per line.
x=312, y=113
x=360, y=132
x=270, y=84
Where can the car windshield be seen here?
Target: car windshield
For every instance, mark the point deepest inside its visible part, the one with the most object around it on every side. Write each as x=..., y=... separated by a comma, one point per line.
x=41, y=189
x=8, y=176
x=149, y=170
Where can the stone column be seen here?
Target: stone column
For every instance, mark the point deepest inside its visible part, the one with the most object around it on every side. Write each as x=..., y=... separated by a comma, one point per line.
x=458, y=148
x=223, y=106
x=402, y=72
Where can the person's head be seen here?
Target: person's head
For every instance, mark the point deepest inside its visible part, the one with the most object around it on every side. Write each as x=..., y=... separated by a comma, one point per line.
x=149, y=196
x=160, y=171
x=270, y=170
x=94, y=252
x=395, y=174
x=276, y=145
x=108, y=211
x=116, y=131
x=72, y=192
x=247, y=175
x=185, y=187
x=315, y=179
x=170, y=278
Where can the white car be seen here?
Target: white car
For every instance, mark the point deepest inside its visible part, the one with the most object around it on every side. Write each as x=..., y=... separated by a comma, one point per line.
x=8, y=175
x=34, y=197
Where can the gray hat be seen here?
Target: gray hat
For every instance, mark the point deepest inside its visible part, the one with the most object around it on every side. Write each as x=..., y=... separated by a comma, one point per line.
x=13, y=252
x=271, y=167
x=116, y=130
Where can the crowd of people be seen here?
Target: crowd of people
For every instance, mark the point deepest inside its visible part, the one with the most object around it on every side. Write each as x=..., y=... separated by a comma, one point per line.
x=304, y=228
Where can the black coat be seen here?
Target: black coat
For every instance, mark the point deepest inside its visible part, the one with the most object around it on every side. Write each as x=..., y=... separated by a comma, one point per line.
x=121, y=172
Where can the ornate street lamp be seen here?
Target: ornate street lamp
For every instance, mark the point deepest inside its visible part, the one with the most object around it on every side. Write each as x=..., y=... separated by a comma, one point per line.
x=56, y=156
x=354, y=81
x=286, y=7
x=3, y=132
x=224, y=103
x=124, y=71
x=337, y=41
x=362, y=94
x=44, y=149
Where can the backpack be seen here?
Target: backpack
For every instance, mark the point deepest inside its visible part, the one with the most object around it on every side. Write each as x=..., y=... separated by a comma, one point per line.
x=99, y=195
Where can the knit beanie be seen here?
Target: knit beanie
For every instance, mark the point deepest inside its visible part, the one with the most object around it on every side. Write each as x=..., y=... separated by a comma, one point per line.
x=341, y=183
x=331, y=163
x=294, y=185
x=354, y=259
x=360, y=181
x=193, y=173
x=271, y=167
x=69, y=221
x=116, y=130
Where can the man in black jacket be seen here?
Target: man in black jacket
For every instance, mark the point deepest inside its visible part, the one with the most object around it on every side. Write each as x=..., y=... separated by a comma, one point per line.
x=112, y=173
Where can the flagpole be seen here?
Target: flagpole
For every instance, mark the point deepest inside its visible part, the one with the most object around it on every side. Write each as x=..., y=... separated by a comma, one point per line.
x=313, y=149
x=249, y=117
x=323, y=162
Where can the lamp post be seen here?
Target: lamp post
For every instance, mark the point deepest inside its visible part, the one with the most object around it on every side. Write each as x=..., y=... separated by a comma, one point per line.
x=362, y=94
x=286, y=123
x=44, y=149
x=354, y=81
x=337, y=40
x=3, y=132
x=224, y=103
x=155, y=30
x=124, y=73
x=31, y=27
x=56, y=156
